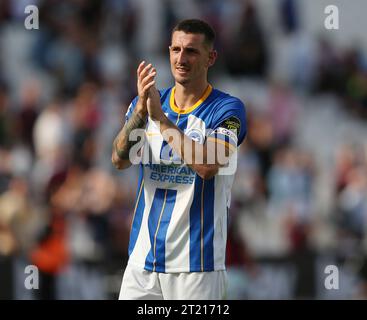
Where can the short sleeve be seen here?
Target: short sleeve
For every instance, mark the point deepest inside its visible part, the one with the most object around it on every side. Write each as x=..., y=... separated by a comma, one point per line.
x=130, y=109
x=229, y=122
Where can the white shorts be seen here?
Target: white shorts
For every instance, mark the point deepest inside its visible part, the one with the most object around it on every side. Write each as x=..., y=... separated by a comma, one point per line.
x=142, y=284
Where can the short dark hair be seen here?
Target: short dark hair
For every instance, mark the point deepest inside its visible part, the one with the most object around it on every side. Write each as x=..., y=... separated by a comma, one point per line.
x=197, y=26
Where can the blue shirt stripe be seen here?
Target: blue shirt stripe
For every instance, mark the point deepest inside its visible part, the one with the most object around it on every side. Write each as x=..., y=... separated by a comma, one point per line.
x=155, y=210
x=195, y=227
x=208, y=228
x=160, y=263
x=138, y=212
x=202, y=226
x=158, y=221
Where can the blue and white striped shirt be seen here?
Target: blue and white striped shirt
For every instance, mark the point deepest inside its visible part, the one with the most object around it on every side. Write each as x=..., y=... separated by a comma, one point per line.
x=180, y=220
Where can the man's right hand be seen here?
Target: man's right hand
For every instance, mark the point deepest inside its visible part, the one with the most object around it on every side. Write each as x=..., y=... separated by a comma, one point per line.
x=122, y=143
x=145, y=75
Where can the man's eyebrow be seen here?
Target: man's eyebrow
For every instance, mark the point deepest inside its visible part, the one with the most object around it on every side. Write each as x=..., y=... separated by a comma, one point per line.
x=191, y=48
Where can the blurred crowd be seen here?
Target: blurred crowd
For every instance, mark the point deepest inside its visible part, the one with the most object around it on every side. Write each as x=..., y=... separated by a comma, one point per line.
x=297, y=204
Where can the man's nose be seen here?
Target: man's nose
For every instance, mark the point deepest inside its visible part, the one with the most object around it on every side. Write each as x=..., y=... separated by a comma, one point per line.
x=181, y=57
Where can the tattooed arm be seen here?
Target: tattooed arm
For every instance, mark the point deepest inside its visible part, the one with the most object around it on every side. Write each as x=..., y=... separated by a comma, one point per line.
x=122, y=144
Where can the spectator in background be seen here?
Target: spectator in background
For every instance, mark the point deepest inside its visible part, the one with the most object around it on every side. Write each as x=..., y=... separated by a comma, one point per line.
x=289, y=15
x=290, y=183
x=239, y=262
x=282, y=107
x=85, y=117
x=352, y=204
x=329, y=67
x=261, y=139
x=6, y=118
x=50, y=254
x=14, y=207
x=28, y=113
x=247, y=53
x=51, y=144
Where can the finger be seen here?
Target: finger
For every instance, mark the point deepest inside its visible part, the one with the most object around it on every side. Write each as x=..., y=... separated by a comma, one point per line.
x=149, y=85
x=148, y=78
x=140, y=68
x=151, y=71
x=145, y=71
x=150, y=74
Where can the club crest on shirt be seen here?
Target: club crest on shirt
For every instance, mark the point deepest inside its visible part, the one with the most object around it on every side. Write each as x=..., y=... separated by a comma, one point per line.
x=195, y=134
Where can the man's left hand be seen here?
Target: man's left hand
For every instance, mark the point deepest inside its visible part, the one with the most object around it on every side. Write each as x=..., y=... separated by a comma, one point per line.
x=154, y=105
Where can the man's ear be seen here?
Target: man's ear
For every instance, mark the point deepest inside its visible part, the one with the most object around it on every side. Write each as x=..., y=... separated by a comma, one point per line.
x=212, y=57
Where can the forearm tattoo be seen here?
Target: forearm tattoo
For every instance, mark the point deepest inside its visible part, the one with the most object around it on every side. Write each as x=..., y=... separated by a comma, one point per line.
x=122, y=143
